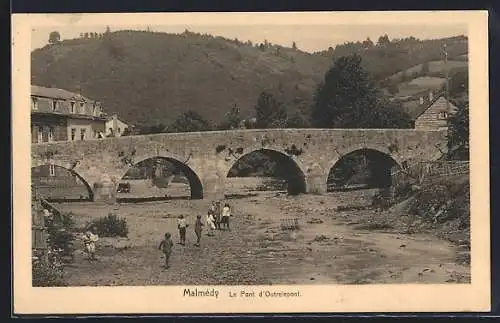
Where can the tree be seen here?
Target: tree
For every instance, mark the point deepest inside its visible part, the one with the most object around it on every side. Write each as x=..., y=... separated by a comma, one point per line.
x=189, y=121
x=348, y=98
x=294, y=45
x=368, y=43
x=233, y=119
x=458, y=133
x=108, y=30
x=383, y=41
x=425, y=69
x=158, y=128
x=458, y=83
x=86, y=35
x=269, y=112
x=298, y=120
x=54, y=37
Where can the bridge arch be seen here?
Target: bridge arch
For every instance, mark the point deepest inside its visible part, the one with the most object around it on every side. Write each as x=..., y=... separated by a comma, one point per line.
x=380, y=164
x=189, y=171
x=290, y=168
x=57, y=164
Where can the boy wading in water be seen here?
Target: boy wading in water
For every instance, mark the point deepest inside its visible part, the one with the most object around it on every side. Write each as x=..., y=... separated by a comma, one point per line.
x=197, y=229
x=166, y=247
x=182, y=225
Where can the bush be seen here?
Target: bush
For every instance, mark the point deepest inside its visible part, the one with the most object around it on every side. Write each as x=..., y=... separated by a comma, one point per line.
x=111, y=226
x=60, y=237
x=49, y=274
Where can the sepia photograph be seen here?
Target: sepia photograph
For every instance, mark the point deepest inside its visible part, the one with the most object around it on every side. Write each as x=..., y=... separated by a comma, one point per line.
x=207, y=154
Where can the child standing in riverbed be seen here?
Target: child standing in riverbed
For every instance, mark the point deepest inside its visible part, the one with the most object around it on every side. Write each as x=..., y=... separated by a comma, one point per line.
x=197, y=229
x=166, y=247
x=182, y=225
x=210, y=224
x=89, y=240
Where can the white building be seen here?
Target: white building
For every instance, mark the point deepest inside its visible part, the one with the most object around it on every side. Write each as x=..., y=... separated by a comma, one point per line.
x=116, y=126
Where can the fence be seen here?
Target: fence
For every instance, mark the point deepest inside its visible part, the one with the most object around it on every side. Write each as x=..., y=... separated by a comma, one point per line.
x=427, y=171
x=38, y=230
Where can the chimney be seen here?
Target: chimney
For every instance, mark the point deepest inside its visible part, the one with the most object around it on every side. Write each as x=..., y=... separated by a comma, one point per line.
x=431, y=96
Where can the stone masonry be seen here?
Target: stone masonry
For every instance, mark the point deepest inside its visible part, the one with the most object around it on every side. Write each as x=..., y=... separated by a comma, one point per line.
x=206, y=157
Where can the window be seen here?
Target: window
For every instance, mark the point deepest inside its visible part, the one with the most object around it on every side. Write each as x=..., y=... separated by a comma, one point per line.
x=73, y=134
x=94, y=109
x=40, y=134
x=34, y=104
x=82, y=134
x=119, y=130
x=52, y=170
x=443, y=115
x=54, y=105
x=72, y=103
x=51, y=134
x=82, y=107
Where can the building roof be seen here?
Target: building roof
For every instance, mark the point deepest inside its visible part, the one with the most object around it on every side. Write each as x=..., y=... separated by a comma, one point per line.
x=110, y=117
x=428, y=105
x=56, y=93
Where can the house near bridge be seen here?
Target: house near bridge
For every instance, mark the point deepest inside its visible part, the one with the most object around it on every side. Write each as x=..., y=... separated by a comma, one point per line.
x=117, y=127
x=60, y=115
x=429, y=110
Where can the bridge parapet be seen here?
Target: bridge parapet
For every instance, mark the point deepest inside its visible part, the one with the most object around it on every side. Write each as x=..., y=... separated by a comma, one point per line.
x=210, y=155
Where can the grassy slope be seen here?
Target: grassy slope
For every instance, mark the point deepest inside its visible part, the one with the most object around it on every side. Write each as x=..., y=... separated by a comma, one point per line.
x=153, y=77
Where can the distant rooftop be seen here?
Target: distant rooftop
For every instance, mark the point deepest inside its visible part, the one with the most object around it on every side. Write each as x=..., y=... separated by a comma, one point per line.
x=56, y=93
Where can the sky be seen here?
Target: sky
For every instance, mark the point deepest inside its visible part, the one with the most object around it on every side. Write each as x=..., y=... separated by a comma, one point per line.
x=309, y=37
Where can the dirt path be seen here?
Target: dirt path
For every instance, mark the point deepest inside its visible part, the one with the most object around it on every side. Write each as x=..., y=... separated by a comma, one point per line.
x=258, y=251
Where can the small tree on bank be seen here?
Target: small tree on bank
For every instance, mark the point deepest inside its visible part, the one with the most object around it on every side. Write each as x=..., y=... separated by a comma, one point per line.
x=232, y=120
x=458, y=133
x=189, y=121
x=269, y=113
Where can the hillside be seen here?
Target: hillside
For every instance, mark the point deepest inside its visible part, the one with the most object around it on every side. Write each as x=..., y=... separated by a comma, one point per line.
x=387, y=57
x=151, y=78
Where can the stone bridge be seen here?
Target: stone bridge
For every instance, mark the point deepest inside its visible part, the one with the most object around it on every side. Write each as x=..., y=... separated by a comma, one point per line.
x=206, y=157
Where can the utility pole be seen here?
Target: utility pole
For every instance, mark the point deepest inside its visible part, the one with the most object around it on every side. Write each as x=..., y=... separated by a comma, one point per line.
x=446, y=93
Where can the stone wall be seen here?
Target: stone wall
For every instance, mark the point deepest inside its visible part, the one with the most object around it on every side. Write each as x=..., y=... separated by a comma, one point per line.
x=210, y=155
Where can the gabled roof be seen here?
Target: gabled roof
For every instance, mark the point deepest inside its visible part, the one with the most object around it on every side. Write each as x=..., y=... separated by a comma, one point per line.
x=56, y=93
x=110, y=117
x=426, y=107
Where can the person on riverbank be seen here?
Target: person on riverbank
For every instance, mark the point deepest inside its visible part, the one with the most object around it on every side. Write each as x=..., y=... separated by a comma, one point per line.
x=226, y=213
x=211, y=208
x=210, y=224
x=217, y=215
x=182, y=225
x=166, y=246
x=198, y=227
x=89, y=241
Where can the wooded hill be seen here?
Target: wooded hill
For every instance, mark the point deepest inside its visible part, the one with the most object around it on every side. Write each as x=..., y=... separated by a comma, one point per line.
x=151, y=78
